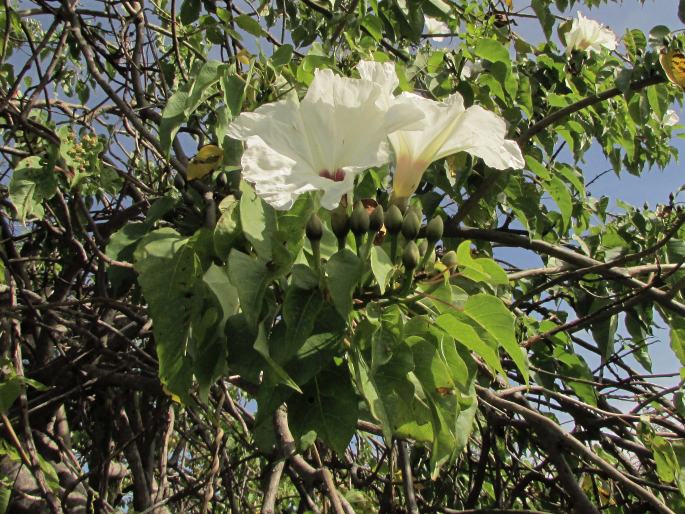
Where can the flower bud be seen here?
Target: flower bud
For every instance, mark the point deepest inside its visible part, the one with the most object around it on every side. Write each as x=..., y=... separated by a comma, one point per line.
x=450, y=259
x=376, y=219
x=434, y=230
x=393, y=220
x=340, y=223
x=423, y=247
x=314, y=228
x=410, y=256
x=411, y=225
x=359, y=221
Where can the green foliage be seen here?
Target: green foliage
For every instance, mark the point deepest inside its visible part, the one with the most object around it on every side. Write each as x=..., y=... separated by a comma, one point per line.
x=33, y=181
x=145, y=290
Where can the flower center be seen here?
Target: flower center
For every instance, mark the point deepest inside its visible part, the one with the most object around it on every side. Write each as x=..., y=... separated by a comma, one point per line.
x=336, y=176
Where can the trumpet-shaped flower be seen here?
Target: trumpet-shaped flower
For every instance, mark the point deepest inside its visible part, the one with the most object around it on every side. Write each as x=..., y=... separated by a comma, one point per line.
x=449, y=128
x=589, y=36
x=435, y=26
x=323, y=142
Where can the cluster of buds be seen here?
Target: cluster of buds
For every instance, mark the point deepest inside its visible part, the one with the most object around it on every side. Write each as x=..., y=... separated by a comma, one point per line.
x=83, y=153
x=400, y=229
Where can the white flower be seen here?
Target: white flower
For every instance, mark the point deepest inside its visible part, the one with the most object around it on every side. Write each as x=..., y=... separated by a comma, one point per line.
x=471, y=69
x=435, y=26
x=670, y=118
x=449, y=128
x=589, y=36
x=322, y=143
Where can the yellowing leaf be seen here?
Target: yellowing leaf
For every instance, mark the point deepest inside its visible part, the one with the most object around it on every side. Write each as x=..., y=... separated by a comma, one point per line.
x=673, y=63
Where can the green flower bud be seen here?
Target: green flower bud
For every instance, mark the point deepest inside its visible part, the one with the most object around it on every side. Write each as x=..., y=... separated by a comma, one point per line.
x=423, y=247
x=450, y=259
x=434, y=230
x=410, y=256
x=411, y=225
x=376, y=219
x=340, y=223
x=359, y=221
x=393, y=220
x=314, y=228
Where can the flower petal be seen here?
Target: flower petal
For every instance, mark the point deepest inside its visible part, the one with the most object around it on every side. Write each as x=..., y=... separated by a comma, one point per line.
x=439, y=117
x=589, y=35
x=435, y=26
x=277, y=178
x=382, y=74
x=481, y=133
x=279, y=125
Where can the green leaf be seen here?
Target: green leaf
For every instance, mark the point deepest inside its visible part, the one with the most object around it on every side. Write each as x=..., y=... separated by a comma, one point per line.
x=233, y=87
x=249, y=24
x=678, y=338
x=123, y=242
x=343, y=271
x=388, y=392
x=381, y=266
x=604, y=330
x=542, y=11
x=9, y=392
x=173, y=116
x=200, y=88
x=494, y=317
x=574, y=366
x=32, y=183
x=243, y=359
x=250, y=277
x=558, y=190
x=258, y=221
x=328, y=407
x=227, y=230
x=492, y=51
x=373, y=25
x=635, y=42
x=666, y=462
x=481, y=269
x=456, y=324
x=445, y=378
x=282, y=56
x=168, y=270
x=261, y=344
x=5, y=494
x=658, y=34
x=292, y=223
x=300, y=309
x=190, y=11
x=218, y=281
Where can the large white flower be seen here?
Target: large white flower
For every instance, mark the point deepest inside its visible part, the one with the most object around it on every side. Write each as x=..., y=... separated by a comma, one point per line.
x=471, y=69
x=449, y=128
x=435, y=26
x=589, y=36
x=322, y=143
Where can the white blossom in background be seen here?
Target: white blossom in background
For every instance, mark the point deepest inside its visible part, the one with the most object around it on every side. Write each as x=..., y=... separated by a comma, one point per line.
x=339, y=129
x=471, y=69
x=435, y=26
x=670, y=118
x=589, y=36
x=449, y=128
